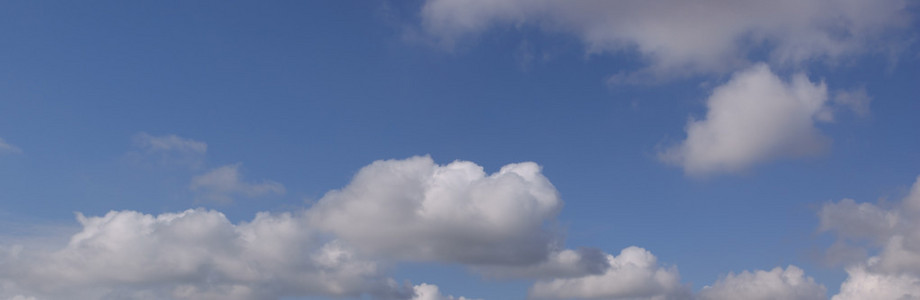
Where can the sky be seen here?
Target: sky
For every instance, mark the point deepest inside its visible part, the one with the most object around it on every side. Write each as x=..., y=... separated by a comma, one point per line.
x=460, y=150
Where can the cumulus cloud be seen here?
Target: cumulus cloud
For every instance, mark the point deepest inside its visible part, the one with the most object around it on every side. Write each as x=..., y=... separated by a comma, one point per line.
x=195, y=254
x=6, y=148
x=894, y=273
x=681, y=37
x=790, y=284
x=414, y=209
x=225, y=183
x=168, y=150
x=864, y=284
x=426, y=291
x=633, y=274
x=754, y=117
x=451, y=213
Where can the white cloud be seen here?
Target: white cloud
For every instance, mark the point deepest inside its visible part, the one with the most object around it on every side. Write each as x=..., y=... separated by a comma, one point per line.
x=681, y=37
x=195, y=254
x=894, y=273
x=790, y=284
x=863, y=284
x=225, y=183
x=634, y=274
x=414, y=209
x=754, y=117
x=6, y=148
x=426, y=291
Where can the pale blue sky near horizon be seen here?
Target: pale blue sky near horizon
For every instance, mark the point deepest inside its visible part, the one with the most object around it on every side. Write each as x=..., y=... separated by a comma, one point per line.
x=306, y=93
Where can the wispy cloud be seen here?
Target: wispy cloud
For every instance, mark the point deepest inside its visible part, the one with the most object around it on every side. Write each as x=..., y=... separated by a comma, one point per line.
x=170, y=150
x=225, y=183
x=6, y=148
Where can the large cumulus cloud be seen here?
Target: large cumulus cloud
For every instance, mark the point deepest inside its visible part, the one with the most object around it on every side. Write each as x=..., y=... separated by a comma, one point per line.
x=415, y=209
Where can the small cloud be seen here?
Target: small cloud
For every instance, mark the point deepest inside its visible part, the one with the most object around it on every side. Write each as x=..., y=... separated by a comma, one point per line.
x=856, y=100
x=6, y=148
x=168, y=150
x=168, y=143
x=225, y=183
x=755, y=117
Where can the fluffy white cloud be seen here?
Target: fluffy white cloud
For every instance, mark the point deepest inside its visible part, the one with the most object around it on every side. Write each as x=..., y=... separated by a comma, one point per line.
x=894, y=273
x=195, y=254
x=677, y=37
x=224, y=183
x=754, y=117
x=864, y=284
x=414, y=209
x=791, y=284
x=6, y=148
x=426, y=291
x=634, y=274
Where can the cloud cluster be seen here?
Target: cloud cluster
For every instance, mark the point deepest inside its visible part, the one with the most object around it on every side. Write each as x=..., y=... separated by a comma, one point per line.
x=414, y=210
x=195, y=254
x=340, y=247
x=6, y=148
x=894, y=273
x=790, y=284
x=684, y=37
x=754, y=117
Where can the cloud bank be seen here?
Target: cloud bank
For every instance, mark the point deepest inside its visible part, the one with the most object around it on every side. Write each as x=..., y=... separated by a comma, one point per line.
x=790, y=284
x=195, y=254
x=499, y=225
x=685, y=37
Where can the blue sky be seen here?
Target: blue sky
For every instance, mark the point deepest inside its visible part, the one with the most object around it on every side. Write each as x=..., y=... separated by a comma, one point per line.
x=151, y=109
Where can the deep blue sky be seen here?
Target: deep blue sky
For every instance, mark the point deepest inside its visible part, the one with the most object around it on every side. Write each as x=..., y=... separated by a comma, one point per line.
x=306, y=93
